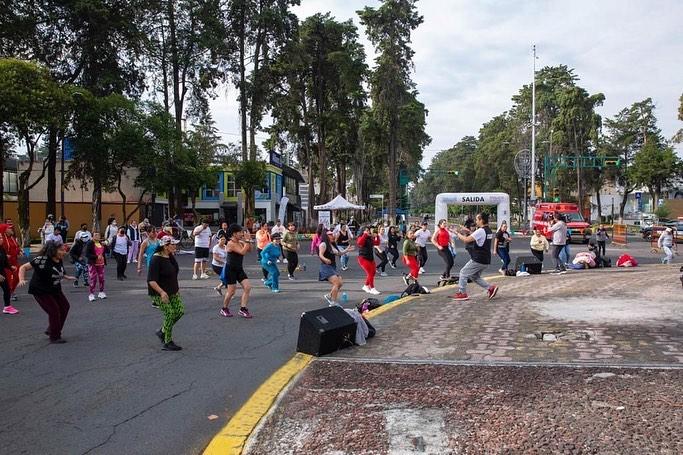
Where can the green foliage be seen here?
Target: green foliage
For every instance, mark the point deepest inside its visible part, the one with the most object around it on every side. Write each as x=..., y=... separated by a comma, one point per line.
x=662, y=212
x=655, y=166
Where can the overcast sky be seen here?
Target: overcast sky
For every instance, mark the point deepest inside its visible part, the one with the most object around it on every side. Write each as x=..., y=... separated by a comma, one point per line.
x=472, y=56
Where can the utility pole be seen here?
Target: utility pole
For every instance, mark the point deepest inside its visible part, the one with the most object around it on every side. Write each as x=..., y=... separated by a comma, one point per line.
x=533, y=134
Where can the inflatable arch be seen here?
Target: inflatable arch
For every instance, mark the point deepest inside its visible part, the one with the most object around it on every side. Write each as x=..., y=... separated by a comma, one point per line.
x=500, y=200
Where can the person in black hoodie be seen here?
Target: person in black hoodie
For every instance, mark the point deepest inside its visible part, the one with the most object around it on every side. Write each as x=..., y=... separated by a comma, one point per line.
x=394, y=238
x=77, y=254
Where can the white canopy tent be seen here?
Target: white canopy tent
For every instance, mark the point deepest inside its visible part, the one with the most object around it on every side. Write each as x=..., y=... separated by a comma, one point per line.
x=339, y=203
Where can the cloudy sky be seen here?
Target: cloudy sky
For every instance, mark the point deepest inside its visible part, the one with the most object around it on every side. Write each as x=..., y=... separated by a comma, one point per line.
x=472, y=56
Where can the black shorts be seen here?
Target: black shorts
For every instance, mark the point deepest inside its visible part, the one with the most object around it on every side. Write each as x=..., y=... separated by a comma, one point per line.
x=217, y=269
x=233, y=276
x=201, y=253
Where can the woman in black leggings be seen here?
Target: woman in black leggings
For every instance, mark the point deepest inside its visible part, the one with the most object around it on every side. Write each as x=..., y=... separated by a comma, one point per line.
x=394, y=238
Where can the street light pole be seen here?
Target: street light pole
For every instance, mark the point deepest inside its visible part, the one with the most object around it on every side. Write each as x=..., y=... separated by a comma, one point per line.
x=533, y=133
x=61, y=192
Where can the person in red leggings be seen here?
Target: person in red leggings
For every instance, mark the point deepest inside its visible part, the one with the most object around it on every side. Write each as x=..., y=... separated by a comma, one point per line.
x=410, y=252
x=366, y=260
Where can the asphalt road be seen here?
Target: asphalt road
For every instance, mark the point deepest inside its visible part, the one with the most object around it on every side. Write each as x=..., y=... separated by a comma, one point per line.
x=112, y=390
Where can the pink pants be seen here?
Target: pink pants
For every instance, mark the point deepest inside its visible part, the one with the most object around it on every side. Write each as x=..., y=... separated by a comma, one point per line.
x=96, y=273
x=133, y=251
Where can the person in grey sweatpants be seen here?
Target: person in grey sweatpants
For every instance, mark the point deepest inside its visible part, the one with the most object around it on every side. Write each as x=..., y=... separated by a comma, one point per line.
x=480, y=252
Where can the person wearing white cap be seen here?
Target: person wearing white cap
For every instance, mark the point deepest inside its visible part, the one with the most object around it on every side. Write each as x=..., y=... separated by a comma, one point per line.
x=162, y=285
x=666, y=243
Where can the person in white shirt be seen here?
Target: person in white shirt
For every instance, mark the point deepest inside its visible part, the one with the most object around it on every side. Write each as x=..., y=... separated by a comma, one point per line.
x=47, y=229
x=219, y=257
x=202, y=241
x=279, y=229
x=422, y=236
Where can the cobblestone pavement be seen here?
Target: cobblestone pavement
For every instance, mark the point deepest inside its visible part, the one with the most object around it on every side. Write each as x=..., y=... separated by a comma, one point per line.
x=613, y=316
x=587, y=362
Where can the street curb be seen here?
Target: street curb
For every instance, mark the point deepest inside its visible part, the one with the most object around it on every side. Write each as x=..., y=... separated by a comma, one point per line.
x=232, y=438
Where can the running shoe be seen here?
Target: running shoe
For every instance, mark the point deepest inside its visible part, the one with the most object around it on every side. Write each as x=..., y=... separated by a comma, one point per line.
x=328, y=299
x=155, y=304
x=374, y=291
x=345, y=268
x=263, y=280
x=194, y=276
x=14, y=297
x=75, y=283
x=160, y=334
x=384, y=274
x=101, y=295
x=460, y=296
x=171, y=346
x=406, y=279
x=218, y=290
x=492, y=291
x=366, y=288
x=225, y=312
x=244, y=312
x=204, y=276
x=10, y=310
x=275, y=291
x=422, y=270
x=284, y=261
x=291, y=278
x=392, y=265
x=91, y=298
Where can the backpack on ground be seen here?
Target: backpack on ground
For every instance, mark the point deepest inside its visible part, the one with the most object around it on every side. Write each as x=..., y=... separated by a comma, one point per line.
x=368, y=304
x=415, y=288
x=510, y=272
x=447, y=281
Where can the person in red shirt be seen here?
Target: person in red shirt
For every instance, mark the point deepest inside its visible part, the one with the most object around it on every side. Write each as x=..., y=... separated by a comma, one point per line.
x=442, y=241
x=13, y=251
x=366, y=243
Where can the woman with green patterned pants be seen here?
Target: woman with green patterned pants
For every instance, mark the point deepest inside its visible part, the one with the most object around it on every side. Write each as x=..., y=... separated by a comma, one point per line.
x=162, y=284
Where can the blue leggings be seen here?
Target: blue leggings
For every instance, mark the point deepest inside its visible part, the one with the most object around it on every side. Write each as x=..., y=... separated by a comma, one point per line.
x=273, y=280
x=504, y=257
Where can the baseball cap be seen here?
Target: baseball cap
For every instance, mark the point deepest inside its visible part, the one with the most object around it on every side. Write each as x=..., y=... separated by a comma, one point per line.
x=168, y=240
x=276, y=236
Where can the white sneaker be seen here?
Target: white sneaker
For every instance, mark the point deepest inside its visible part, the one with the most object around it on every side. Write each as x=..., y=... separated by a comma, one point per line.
x=383, y=274
x=365, y=288
x=135, y=261
x=91, y=298
x=291, y=278
x=392, y=265
x=101, y=295
x=194, y=277
x=204, y=276
x=278, y=261
x=344, y=269
x=422, y=270
x=374, y=291
x=284, y=261
x=127, y=262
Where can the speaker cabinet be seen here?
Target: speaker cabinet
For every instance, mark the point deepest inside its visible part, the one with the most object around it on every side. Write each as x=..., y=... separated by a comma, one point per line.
x=531, y=264
x=325, y=330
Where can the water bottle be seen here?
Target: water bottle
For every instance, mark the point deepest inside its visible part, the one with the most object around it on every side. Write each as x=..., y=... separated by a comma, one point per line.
x=344, y=298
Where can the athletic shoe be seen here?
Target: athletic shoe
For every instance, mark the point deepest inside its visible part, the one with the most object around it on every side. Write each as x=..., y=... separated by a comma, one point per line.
x=171, y=346
x=392, y=265
x=275, y=291
x=345, y=268
x=127, y=262
x=194, y=276
x=244, y=312
x=58, y=341
x=155, y=304
x=384, y=274
x=218, y=290
x=75, y=283
x=406, y=279
x=374, y=291
x=284, y=261
x=460, y=296
x=160, y=334
x=278, y=261
x=443, y=277
x=263, y=280
x=204, y=276
x=502, y=272
x=10, y=310
x=135, y=261
x=14, y=297
x=225, y=312
x=562, y=272
x=101, y=295
x=366, y=288
x=91, y=298
x=492, y=291
x=422, y=270
x=291, y=278
x=328, y=299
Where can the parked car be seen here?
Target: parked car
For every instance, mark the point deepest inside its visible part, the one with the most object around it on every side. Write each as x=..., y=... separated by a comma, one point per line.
x=653, y=232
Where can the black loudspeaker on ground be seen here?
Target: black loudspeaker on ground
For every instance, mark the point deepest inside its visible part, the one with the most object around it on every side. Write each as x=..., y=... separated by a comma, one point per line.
x=325, y=330
x=531, y=264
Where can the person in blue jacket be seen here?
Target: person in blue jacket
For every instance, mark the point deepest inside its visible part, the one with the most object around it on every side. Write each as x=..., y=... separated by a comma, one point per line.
x=269, y=257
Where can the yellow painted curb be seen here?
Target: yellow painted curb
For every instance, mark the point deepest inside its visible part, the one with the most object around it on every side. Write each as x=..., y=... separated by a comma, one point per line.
x=231, y=439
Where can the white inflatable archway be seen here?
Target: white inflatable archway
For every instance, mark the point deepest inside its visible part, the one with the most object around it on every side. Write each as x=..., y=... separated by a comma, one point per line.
x=500, y=200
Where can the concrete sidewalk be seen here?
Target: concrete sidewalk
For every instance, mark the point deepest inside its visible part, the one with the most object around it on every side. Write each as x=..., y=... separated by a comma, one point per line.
x=588, y=362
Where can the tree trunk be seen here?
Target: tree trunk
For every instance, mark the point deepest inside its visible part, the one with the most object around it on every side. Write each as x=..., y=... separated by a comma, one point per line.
x=51, y=207
x=96, y=207
x=599, y=201
x=311, y=193
x=255, y=97
x=622, y=204
x=322, y=166
x=392, y=172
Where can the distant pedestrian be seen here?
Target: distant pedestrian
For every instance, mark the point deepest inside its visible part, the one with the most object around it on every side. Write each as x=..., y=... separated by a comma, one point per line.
x=393, y=238
x=269, y=257
x=559, y=230
x=5, y=278
x=238, y=246
x=602, y=236
x=443, y=242
x=63, y=225
x=223, y=231
x=481, y=240
x=219, y=257
x=47, y=229
x=381, y=247
x=317, y=238
x=133, y=233
x=422, y=236
x=501, y=247
x=538, y=244
x=262, y=239
x=410, y=251
x=11, y=247
x=120, y=246
x=148, y=247
x=343, y=241
x=95, y=254
x=77, y=254
x=202, y=243
x=109, y=234
x=162, y=286
x=46, y=288
x=56, y=236
x=666, y=243
x=290, y=244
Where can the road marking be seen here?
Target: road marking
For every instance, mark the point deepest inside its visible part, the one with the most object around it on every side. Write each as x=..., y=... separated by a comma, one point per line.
x=231, y=439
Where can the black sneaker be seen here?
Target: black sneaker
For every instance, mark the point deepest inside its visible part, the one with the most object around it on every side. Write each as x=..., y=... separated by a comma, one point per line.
x=171, y=346
x=160, y=334
x=76, y=283
x=406, y=280
x=155, y=305
x=58, y=341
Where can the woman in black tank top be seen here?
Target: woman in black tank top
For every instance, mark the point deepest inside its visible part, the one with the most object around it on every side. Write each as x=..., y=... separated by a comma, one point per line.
x=327, y=253
x=238, y=246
